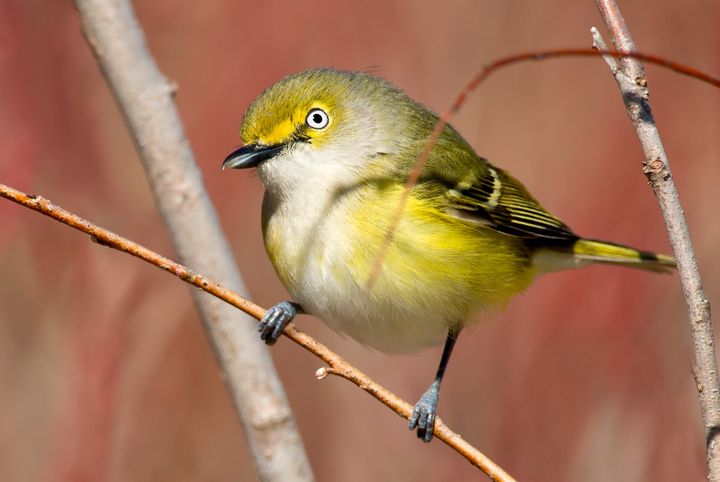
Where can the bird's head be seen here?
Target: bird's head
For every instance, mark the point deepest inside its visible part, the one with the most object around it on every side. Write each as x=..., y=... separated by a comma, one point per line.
x=326, y=126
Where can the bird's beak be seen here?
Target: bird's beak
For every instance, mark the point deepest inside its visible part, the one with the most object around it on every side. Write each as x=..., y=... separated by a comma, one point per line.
x=250, y=156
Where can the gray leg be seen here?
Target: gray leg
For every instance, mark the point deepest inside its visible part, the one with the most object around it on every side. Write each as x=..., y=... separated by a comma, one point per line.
x=276, y=319
x=423, y=416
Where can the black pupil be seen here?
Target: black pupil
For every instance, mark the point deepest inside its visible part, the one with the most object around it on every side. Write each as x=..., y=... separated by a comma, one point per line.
x=317, y=118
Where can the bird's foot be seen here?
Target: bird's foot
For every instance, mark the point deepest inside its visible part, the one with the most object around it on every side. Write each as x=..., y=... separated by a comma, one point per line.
x=423, y=416
x=275, y=320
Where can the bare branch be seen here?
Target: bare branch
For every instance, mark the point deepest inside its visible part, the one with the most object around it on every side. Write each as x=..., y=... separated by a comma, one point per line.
x=145, y=97
x=632, y=82
x=599, y=44
x=336, y=364
x=620, y=37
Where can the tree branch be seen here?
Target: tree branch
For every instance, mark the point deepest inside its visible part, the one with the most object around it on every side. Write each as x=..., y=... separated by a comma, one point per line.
x=336, y=364
x=632, y=82
x=144, y=96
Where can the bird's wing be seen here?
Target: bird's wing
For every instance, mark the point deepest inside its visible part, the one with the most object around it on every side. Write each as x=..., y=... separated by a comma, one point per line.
x=493, y=197
x=468, y=187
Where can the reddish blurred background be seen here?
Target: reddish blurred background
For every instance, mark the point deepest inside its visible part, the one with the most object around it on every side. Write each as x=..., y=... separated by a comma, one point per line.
x=105, y=373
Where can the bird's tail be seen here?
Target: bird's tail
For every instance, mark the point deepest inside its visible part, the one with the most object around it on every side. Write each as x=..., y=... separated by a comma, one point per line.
x=588, y=251
x=611, y=253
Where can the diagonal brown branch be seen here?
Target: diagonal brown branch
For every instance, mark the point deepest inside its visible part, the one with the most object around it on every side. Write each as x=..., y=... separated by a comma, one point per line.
x=631, y=79
x=336, y=364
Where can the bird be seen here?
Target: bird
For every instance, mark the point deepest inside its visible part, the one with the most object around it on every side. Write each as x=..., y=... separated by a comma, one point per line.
x=334, y=150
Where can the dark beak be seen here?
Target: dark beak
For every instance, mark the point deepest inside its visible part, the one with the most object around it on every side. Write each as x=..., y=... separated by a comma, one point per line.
x=250, y=156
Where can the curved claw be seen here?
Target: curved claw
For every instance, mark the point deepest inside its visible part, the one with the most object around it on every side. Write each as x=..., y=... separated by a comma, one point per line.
x=275, y=320
x=423, y=416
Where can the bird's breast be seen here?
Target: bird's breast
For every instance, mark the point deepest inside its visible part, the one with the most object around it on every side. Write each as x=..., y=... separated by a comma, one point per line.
x=324, y=245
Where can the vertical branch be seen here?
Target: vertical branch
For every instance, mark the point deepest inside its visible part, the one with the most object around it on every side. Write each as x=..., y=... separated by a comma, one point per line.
x=145, y=97
x=632, y=81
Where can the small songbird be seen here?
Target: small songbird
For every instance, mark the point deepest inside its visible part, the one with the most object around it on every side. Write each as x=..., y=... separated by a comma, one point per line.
x=334, y=151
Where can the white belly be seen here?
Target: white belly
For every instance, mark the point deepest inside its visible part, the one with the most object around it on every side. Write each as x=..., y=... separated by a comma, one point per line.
x=310, y=241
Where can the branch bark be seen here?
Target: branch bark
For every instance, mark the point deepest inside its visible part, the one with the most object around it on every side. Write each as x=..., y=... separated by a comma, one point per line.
x=632, y=81
x=145, y=97
x=336, y=364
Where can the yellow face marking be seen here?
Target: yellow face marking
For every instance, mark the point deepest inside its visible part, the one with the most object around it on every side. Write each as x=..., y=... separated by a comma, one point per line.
x=284, y=130
x=280, y=133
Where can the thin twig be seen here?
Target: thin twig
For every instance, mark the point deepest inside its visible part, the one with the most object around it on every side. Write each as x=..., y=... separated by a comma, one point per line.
x=145, y=98
x=481, y=76
x=632, y=82
x=599, y=44
x=336, y=364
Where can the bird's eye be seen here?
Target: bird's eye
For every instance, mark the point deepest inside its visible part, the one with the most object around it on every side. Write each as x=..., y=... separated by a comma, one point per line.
x=317, y=119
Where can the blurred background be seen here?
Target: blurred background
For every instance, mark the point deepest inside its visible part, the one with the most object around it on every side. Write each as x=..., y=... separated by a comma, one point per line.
x=105, y=372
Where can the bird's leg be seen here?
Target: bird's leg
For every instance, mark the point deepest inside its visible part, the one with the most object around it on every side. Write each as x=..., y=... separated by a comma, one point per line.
x=423, y=416
x=276, y=319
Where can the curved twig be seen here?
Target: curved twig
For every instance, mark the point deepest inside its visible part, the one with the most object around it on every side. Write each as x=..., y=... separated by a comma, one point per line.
x=470, y=88
x=336, y=364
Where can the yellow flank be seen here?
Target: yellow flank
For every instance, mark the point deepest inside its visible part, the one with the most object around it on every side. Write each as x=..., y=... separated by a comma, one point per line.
x=434, y=258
